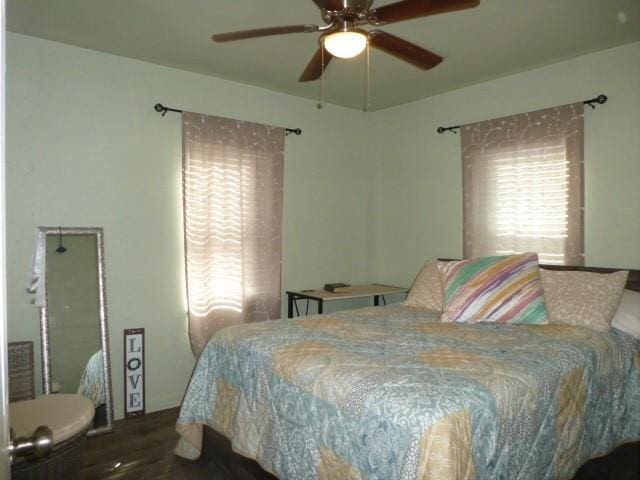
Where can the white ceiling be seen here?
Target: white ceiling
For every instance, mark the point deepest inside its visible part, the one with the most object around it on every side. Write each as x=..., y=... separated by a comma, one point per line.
x=497, y=38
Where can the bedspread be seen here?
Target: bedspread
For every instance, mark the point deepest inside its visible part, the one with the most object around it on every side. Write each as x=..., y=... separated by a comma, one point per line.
x=391, y=393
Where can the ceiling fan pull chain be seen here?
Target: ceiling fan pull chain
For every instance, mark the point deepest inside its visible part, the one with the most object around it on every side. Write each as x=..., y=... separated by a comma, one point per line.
x=321, y=93
x=367, y=80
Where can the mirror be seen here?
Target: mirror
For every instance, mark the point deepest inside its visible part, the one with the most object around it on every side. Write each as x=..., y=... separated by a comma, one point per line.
x=73, y=319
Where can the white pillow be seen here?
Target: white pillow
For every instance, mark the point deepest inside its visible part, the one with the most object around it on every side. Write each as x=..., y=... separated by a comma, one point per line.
x=627, y=317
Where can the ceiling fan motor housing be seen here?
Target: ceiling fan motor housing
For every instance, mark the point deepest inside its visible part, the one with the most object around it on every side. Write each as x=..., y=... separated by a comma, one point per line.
x=350, y=10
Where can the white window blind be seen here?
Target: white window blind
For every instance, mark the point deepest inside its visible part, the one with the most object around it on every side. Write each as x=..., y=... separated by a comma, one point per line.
x=523, y=186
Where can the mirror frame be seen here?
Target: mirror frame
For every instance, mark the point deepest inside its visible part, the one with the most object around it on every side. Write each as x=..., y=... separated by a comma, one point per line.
x=104, y=329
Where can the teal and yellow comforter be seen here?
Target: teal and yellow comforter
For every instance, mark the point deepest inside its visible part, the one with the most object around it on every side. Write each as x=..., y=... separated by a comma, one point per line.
x=391, y=393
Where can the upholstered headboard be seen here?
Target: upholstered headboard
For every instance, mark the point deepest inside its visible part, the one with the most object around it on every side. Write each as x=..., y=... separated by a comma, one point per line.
x=633, y=282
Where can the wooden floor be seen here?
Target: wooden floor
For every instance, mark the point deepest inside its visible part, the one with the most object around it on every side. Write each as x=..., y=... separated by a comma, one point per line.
x=142, y=448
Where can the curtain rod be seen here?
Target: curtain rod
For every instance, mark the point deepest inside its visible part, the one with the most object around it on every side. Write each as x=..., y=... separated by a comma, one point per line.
x=158, y=107
x=599, y=99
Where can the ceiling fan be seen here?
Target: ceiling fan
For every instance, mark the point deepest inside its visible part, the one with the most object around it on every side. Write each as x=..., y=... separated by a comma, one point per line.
x=342, y=36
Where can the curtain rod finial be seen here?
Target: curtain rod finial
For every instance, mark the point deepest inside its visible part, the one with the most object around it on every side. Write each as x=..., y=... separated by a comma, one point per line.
x=599, y=99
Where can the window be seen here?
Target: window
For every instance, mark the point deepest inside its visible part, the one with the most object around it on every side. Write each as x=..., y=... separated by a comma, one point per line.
x=523, y=186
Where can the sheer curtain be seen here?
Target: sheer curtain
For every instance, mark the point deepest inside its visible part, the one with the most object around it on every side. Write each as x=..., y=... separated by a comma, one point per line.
x=232, y=193
x=523, y=185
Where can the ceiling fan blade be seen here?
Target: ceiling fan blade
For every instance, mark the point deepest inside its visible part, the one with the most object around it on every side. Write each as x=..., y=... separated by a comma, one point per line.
x=407, y=51
x=263, y=32
x=408, y=9
x=315, y=68
x=329, y=4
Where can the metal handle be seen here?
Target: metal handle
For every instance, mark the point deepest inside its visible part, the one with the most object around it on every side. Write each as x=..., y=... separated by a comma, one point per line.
x=39, y=445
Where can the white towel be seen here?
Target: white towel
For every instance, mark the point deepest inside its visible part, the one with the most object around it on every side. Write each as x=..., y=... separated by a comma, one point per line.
x=36, y=280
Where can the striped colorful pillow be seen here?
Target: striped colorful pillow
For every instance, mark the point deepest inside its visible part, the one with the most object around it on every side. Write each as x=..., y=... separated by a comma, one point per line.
x=505, y=289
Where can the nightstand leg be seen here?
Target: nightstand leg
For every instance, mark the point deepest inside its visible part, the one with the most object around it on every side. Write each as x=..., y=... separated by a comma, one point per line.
x=320, y=302
x=376, y=300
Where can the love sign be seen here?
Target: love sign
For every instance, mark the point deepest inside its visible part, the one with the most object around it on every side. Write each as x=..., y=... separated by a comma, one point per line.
x=134, y=372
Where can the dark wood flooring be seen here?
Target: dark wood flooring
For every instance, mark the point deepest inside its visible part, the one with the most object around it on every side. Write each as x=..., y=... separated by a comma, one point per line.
x=142, y=448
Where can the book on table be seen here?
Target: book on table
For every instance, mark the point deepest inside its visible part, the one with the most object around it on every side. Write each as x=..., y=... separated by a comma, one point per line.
x=337, y=287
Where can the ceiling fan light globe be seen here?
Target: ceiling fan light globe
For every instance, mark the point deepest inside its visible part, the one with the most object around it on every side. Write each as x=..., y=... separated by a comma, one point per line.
x=345, y=44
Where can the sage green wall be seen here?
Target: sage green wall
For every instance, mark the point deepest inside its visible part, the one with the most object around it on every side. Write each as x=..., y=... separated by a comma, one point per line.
x=418, y=179
x=85, y=148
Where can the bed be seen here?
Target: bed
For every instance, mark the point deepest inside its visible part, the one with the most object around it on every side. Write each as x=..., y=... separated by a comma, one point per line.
x=392, y=393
